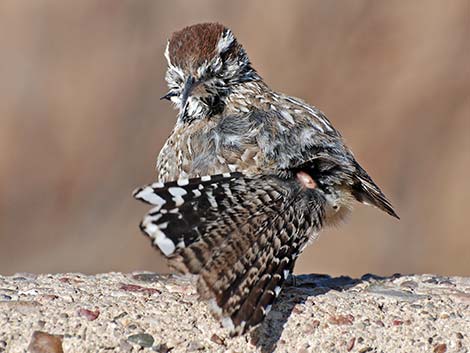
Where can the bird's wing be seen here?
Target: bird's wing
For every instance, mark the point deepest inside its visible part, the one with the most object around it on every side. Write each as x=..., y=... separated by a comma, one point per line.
x=312, y=114
x=296, y=136
x=269, y=141
x=240, y=234
x=333, y=153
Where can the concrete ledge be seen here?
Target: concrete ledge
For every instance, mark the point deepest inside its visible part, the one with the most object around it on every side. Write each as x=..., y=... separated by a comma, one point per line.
x=115, y=312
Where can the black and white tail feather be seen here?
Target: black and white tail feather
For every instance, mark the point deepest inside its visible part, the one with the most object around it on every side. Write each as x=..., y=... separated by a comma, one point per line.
x=241, y=236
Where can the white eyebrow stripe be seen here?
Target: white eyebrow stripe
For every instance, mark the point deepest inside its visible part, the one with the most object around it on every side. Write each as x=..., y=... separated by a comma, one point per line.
x=225, y=41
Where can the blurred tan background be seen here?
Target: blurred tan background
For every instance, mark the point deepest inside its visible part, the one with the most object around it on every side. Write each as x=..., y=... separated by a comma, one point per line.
x=81, y=123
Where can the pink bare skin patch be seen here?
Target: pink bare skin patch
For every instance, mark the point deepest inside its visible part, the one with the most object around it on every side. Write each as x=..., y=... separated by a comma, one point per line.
x=306, y=180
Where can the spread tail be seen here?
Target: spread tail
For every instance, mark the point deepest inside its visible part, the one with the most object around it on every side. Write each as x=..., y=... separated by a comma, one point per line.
x=240, y=235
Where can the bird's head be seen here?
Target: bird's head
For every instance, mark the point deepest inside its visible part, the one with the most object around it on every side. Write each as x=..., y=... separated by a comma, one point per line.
x=205, y=61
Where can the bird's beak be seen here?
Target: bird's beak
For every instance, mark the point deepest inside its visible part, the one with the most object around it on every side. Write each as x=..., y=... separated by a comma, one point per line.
x=188, y=87
x=169, y=95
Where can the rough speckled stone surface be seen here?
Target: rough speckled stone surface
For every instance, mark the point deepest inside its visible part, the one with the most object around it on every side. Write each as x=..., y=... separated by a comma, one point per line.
x=146, y=312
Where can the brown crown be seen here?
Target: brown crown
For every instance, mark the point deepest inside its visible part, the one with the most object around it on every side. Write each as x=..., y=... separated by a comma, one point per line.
x=196, y=44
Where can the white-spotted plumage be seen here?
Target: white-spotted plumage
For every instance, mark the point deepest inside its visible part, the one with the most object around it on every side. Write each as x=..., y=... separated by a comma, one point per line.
x=166, y=245
x=147, y=195
x=176, y=191
x=183, y=181
x=286, y=274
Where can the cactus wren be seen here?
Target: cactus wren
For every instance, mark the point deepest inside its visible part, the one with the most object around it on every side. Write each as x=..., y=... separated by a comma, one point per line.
x=247, y=178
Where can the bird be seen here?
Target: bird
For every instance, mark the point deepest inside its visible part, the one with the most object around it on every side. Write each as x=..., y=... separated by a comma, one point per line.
x=246, y=180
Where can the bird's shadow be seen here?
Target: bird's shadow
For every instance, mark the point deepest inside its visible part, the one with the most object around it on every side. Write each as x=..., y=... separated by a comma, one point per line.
x=267, y=335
